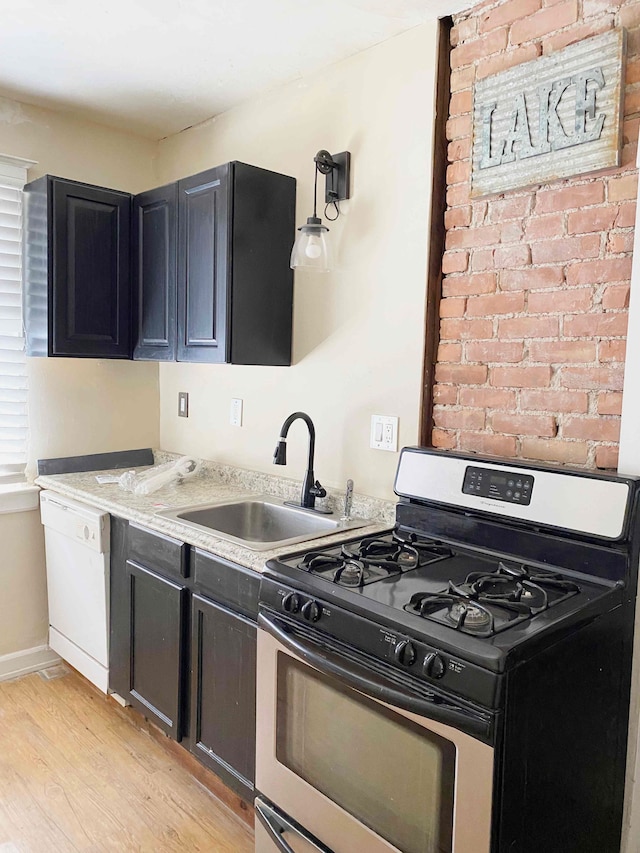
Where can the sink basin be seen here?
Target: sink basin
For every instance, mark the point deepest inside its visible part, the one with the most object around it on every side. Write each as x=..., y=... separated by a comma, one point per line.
x=260, y=522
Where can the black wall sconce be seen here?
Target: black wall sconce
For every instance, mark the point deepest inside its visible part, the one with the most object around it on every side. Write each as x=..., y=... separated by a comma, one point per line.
x=311, y=250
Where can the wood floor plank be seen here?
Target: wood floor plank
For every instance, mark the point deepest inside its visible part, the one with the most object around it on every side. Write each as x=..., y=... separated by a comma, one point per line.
x=77, y=777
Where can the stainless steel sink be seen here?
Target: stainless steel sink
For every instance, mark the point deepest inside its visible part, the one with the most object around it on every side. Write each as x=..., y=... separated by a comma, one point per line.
x=260, y=522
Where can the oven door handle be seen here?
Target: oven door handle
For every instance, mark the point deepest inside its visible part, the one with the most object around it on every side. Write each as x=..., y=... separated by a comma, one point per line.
x=434, y=708
x=276, y=826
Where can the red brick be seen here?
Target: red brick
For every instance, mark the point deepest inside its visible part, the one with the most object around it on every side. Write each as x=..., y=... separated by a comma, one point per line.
x=523, y=424
x=482, y=259
x=469, y=238
x=592, y=219
x=474, y=50
x=555, y=401
x=495, y=351
x=457, y=217
x=592, y=429
x=544, y=22
x=514, y=256
x=623, y=189
x=607, y=457
x=612, y=351
x=464, y=30
x=633, y=68
x=479, y=213
x=520, y=377
x=457, y=194
x=532, y=278
x=458, y=172
x=452, y=307
x=489, y=398
x=463, y=285
x=445, y=395
x=632, y=102
x=598, y=7
x=461, y=103
x=497, y=62
x=462, y=78
x=560, y=301
x=462, y=374
x=449, y=352
x=528, y=327
x=616, y=296
x=459, y=418
x=554, y=450
x=465, y=330
x=630, y=16
x=459, y=149
x=507, y=13
x=458, y=126
x=482, y=442
x=569, y=198
x=543, y=227
x=565, y=249
x=560, y=40
x=599, y=272
x=495, y=303
x=620, y=243
x=443, y=440
x=596, y=325
x=455, y=262
x=610, y=403
x=592, y=378
x=511, y=232
x=561, y=352
x=504, y=209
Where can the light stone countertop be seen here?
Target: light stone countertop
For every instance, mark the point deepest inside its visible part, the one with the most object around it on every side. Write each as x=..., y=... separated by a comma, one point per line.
x=213, y=482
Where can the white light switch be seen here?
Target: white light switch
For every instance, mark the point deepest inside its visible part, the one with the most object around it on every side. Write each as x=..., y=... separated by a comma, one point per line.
x=235, y=414
x=384, y=432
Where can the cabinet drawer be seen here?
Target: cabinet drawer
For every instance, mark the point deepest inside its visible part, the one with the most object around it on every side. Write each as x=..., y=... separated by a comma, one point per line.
x=158, y=551
x=227, y=583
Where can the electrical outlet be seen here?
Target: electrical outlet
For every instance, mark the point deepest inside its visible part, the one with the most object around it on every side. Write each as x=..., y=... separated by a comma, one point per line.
x=235, y=414
x=183, y=404
x=384, y=433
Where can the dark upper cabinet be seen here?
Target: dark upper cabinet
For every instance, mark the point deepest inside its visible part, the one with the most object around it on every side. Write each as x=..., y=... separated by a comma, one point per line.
x=155, y=224
x=223, y=693
x=77, y=283
x=235, y=229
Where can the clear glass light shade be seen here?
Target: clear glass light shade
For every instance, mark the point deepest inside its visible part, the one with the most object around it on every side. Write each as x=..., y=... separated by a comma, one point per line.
x=311, y=250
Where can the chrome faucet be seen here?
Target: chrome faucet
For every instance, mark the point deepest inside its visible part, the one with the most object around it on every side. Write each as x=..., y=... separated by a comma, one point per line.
x=348, y=501
x=311, y=488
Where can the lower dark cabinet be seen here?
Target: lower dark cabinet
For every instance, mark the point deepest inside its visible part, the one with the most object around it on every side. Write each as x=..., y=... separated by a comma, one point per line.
x=223, y=693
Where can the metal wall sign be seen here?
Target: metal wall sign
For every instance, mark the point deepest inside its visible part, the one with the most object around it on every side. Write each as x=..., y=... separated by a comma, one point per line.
x=551, y=118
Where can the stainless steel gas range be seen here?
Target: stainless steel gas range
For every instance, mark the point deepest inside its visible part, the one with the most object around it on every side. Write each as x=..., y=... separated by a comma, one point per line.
x=459, y=684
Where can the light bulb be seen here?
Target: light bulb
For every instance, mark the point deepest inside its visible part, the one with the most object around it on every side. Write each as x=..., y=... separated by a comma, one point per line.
x=313, y=249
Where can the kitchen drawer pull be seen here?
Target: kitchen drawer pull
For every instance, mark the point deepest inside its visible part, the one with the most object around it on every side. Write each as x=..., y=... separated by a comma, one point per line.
x=435, y=708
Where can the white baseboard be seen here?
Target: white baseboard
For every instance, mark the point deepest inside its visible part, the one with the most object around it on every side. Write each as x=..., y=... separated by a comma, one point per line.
x=26, y=661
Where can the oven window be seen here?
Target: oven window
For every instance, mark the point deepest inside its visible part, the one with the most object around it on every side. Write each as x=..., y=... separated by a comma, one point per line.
x=393, y=775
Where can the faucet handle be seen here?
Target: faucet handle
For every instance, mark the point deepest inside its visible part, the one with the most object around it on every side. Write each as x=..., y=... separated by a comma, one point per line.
x=317, y=490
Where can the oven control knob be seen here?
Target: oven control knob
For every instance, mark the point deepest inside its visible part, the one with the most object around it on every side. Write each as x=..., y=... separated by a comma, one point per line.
x=291, y=602
x=405, y=653
x=434, y=665
x=311, y=611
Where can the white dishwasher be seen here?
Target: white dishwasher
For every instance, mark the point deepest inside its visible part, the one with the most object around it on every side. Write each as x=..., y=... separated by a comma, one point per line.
x=77, y=550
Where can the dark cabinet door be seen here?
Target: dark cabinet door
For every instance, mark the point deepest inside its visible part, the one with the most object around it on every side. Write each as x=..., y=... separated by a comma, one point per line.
x=155, y=221
x=90, y=310
x=203, y=265
x=223, y=693
x=155, y=641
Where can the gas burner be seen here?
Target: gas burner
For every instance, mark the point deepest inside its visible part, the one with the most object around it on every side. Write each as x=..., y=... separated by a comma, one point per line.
x=468, y=614
x=352, y=573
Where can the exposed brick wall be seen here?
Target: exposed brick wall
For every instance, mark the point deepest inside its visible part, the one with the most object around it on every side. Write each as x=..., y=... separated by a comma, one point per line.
x=536, y=281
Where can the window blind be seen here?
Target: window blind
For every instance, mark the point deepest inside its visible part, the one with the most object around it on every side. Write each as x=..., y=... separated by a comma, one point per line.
x=13, y=366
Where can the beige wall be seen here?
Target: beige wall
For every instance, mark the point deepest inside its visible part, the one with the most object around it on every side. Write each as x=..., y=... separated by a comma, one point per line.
x=23, y=602
x=76, y=405
x=358, y=332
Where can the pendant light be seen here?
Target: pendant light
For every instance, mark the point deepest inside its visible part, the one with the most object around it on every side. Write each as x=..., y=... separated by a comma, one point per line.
x=311, y=250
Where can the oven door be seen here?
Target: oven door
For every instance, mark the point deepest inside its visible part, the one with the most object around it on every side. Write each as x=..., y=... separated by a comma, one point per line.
x=362, y=764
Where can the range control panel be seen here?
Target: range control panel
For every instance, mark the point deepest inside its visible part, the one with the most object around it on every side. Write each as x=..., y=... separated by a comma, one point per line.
x=498, y=484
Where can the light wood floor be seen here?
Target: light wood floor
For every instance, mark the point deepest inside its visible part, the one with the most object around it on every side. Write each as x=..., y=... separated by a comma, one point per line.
x=76, y=775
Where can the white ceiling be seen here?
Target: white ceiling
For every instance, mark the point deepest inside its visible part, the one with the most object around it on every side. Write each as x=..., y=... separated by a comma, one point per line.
x=158, y=66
